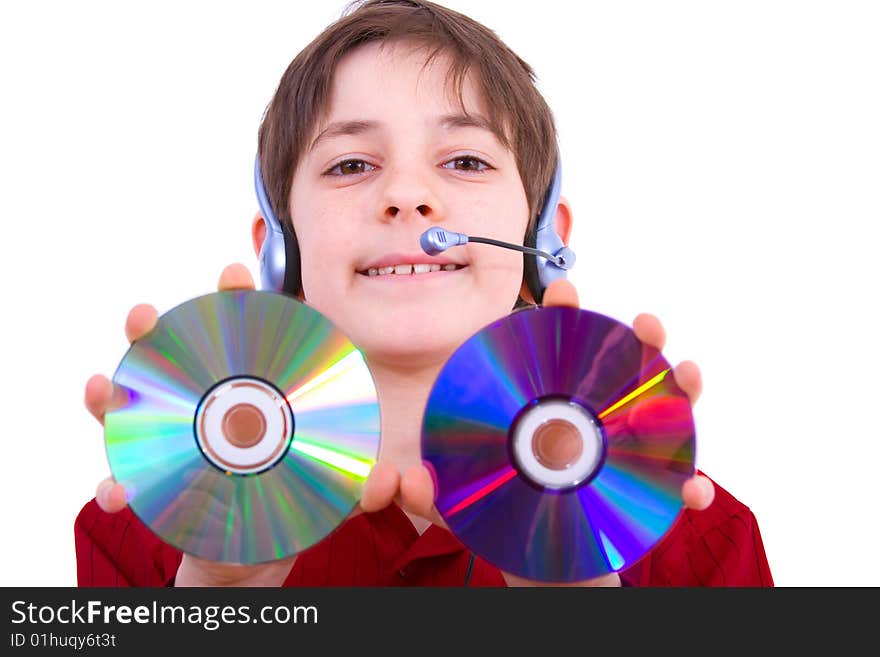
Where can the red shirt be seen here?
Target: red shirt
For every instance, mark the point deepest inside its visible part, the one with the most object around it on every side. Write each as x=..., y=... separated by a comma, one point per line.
x=720, y=546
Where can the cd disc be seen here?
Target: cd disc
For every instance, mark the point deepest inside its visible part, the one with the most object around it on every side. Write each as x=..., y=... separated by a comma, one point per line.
x=245, y=426
x=559, y=444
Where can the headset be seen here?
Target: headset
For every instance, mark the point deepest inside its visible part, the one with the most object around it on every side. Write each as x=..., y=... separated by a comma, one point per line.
x=545, y=257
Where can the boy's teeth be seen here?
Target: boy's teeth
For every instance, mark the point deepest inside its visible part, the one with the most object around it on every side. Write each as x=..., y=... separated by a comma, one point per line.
x=407, y=270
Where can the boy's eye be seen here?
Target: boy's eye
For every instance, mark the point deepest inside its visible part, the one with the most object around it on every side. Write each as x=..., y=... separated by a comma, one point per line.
x=466, y=163
x=350, y=167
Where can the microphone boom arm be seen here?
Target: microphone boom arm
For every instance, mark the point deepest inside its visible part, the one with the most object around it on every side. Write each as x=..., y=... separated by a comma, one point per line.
x=559, y=260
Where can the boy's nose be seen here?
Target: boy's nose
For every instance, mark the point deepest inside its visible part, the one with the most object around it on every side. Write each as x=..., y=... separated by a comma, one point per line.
x=407, y=197
x=423, y=209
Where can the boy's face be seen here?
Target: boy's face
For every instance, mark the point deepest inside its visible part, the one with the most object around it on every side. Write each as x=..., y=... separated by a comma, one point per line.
x=394, y=156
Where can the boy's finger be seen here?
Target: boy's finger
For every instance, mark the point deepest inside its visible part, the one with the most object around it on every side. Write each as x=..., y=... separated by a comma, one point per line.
x=649, y=330
x=698, y=492
x=235, y=277
x=99, y=391
x=102, y=395
x=140, y=321
x=110, y=496
x=560, y=292
x=380, y=487
x=687, y=376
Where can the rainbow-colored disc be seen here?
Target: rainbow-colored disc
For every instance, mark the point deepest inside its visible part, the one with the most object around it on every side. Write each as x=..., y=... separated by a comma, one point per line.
x=246, y=426
x=559, y=444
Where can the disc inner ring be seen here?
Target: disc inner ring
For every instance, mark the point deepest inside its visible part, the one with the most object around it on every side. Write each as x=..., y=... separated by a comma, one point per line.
x=243, y=425
x=557, y=443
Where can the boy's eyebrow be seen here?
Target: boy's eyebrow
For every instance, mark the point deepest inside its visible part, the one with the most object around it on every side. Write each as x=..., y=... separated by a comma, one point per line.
x=450, y=121
x=343, y=129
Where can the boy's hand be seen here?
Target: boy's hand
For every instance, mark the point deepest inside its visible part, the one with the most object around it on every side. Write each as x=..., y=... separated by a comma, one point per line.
x=101, y=396
x=698, y=492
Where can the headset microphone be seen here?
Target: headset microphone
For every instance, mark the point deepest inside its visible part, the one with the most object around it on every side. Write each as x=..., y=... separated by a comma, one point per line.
x=436, y=240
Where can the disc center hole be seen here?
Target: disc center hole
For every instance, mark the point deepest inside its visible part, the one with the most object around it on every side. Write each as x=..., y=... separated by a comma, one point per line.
x=244, y=425
x=557, y=444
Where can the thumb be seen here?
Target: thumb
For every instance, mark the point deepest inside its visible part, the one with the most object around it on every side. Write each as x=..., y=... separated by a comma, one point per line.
x=380, y=487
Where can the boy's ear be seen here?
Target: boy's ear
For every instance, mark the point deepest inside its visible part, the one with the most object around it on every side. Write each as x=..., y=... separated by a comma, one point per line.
x=563, y=219
x=258, y=232
x=562, y=223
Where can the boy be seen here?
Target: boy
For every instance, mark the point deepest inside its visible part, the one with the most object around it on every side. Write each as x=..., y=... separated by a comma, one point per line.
x=398, y=117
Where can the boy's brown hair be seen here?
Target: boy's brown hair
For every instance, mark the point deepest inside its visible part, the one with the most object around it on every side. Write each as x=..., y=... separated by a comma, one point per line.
x=518, y=114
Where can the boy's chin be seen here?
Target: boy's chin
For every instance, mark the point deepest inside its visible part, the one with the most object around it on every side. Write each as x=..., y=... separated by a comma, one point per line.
x=408, y=345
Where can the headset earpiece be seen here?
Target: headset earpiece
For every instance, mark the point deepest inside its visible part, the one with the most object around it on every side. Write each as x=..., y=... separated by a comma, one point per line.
x=540, y=272
x=279, y=255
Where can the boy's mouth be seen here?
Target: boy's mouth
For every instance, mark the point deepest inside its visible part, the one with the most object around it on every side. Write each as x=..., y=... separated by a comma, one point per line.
x=400, y=264
x=408, y=269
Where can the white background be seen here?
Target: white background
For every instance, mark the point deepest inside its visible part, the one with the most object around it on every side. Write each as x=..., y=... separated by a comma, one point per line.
x=723, y=161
